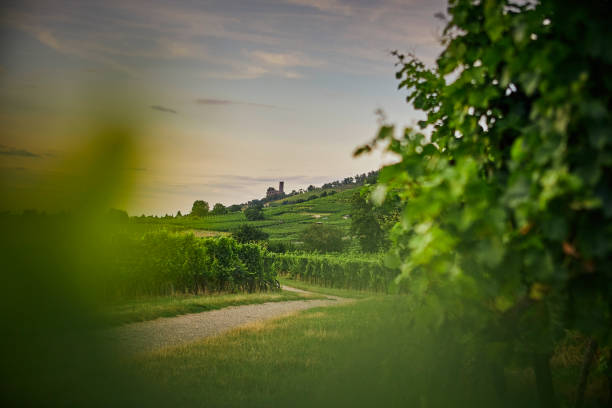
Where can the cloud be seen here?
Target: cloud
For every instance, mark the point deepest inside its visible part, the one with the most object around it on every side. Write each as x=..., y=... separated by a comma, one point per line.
x=221, y=102
x=162, y=109
x=326, y=6
x=293, y=75
x=50, y=40
x=284, y=60
x=59, y=41
x=12, y=151
x=234, y=42
x=259, y=63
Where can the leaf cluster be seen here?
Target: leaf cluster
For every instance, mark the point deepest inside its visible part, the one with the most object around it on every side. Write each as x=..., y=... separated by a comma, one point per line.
x=506, y=182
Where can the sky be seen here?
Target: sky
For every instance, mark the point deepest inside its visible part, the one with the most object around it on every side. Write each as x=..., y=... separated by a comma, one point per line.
x=230, y=97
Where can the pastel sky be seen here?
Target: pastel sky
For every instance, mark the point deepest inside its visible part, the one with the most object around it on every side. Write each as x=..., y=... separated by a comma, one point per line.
x=233, y=95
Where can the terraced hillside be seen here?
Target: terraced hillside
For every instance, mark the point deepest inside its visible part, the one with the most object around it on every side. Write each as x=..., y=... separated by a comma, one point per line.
x=283, y=222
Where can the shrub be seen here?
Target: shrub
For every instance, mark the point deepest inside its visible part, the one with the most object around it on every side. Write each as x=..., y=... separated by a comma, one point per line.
x=323, y=238
x=280, y=247
x=247, y=233
x=254, y=213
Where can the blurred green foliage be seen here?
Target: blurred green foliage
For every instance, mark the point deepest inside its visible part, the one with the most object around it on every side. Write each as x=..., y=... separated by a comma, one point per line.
x=52, y=268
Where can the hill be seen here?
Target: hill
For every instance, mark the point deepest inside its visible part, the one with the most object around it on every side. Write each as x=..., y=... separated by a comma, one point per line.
x=284, y=219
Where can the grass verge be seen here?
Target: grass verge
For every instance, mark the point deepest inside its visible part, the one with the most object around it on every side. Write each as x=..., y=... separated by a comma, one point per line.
x=347, y=293
x=364, y=354
x=150, y=308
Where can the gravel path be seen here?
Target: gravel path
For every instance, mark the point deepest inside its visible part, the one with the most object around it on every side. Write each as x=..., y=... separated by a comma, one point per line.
x=171, y=331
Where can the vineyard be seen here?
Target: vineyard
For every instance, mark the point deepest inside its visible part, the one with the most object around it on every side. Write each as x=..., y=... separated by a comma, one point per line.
x=282, y=222
x=159, y=263
x=162, y=262
x=339, y=271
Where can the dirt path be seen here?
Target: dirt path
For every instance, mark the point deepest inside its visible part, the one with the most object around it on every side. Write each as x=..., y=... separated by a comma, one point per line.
x=171, y=331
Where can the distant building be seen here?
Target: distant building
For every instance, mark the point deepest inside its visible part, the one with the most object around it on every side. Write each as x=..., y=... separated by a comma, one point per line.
x=274, y=193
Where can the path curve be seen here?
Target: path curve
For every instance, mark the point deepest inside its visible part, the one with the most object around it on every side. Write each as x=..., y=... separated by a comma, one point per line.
x=172, y=331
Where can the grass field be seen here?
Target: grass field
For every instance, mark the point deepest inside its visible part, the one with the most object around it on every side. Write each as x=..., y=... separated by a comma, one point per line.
x=348, y=293
x=365, y=354
x=149, y=308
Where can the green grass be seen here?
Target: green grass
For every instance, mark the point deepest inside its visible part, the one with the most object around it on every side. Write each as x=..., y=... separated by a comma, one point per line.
x=150, y=308
x=347, y=293
x=365, y=354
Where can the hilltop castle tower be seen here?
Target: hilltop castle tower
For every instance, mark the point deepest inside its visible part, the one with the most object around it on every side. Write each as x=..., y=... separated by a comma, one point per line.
x=273, y=193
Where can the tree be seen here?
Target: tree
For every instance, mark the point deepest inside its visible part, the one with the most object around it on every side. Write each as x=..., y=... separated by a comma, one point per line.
x=255, y=203
x=200, y=208
x=508, y=203
x=234, y=208
x=371, y=177
x=323, y=238
x=254, y=212
x=247, y=233
x=311, y=188
x=178, y=214
x=219, y=209
x=371, y=223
